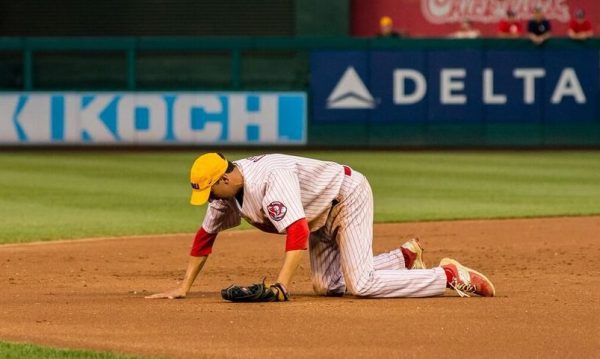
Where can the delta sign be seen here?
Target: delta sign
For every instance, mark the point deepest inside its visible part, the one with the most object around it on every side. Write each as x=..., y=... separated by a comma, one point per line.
x=456, y=86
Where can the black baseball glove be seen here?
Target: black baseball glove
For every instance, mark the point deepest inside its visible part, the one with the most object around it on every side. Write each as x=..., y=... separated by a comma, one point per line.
x=259, y=292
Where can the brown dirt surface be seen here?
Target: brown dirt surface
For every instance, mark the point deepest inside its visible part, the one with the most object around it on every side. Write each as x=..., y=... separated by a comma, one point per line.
x=89, y=294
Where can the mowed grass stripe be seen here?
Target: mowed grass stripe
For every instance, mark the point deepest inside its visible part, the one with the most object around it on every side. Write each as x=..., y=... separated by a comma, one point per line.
x=452, y=186
x=73, y=195
x=21, y=351
x=62, y=195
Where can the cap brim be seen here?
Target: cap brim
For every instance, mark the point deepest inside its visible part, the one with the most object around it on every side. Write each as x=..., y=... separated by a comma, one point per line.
x=200, y=197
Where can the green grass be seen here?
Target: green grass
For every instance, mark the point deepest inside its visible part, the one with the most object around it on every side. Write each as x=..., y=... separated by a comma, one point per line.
x=22, y=351
x=63, y=195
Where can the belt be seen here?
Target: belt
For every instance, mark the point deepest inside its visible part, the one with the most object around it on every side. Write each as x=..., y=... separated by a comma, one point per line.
x=347, y=171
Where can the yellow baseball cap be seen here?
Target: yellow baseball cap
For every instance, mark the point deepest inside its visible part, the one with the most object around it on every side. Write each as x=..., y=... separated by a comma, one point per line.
x=206, y=170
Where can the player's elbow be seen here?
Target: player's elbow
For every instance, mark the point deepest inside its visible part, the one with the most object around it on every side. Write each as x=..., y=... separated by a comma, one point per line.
x=297, y=235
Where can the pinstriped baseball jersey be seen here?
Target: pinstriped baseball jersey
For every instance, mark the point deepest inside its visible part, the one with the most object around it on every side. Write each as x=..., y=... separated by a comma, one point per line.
x=278, y=191
x=338, y=205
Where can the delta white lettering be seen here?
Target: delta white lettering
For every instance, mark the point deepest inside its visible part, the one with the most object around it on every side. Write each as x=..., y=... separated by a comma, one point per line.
x=489, y=97
x=568, y=85
x=452, y=85
x=400, y=95
x=449, y=84
x=529, y=75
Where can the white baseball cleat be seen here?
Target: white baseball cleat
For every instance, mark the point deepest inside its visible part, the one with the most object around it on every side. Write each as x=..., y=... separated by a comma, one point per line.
x=413, y=254
x=466, y=281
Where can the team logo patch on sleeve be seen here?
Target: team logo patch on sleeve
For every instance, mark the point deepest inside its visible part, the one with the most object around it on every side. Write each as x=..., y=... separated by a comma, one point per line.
x=277, y=210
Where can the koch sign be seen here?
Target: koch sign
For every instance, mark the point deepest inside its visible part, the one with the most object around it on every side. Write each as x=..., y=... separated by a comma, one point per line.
x=455, y=85
x=153, y=118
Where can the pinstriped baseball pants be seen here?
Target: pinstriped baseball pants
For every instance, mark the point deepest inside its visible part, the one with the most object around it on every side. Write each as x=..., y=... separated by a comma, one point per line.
x=341, y=253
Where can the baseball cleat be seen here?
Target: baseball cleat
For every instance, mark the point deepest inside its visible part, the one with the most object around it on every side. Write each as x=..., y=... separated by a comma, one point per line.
x=466, y=281
x=413, y=254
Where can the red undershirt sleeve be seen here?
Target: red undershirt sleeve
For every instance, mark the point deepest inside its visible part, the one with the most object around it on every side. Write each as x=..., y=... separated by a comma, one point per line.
x=203, y=243
x=297, y=235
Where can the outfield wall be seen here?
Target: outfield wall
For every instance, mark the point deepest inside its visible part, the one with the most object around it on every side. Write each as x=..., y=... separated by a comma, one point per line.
x=406, y=93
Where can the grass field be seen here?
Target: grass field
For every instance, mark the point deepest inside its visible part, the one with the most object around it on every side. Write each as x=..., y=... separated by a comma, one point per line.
x=26, y=351
x=62, y=195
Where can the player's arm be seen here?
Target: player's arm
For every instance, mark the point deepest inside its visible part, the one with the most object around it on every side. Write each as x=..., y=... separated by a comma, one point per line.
x=296, y=245
x=536, y=39
x=201, y=248
x=283, y=204
x=589, y=31
x=194, y=267
x=545, y=36
x=220, y=215
x=586, y=34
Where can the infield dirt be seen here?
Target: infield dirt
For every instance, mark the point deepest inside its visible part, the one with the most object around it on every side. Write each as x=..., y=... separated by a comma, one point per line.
x=89, y=294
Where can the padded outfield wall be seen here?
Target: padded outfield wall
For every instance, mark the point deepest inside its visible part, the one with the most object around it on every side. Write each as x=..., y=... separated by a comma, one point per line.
x=320, y=92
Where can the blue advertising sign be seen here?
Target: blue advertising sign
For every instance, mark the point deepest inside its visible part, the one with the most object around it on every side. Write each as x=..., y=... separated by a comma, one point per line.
x=507, y=100
x=153, y=118
x=349, y=99
x=455, y=86
x=573, y=77
x=455, y=90
x=406, y=69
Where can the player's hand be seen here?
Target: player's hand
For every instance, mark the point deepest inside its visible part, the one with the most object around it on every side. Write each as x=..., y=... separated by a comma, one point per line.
x=171, y=294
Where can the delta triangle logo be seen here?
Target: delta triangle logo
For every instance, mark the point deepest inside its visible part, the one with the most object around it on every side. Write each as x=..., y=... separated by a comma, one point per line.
x=350, y=93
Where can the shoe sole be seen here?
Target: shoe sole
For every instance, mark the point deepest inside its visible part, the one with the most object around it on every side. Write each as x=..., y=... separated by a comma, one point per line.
x=450, y=261
x=414, y=246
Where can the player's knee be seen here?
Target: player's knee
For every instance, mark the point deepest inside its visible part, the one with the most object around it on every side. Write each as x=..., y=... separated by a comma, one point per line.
x=360, y=288
x=360, y=292
x=319, y=289
x=329, y=291
x=335, y=288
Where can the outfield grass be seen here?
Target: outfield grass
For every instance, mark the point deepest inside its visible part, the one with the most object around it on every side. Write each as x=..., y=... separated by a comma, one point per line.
x=22, y=351
x=62, y=195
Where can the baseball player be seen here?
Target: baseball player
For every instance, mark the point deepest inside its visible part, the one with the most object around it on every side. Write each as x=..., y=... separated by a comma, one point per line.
x=321, y=206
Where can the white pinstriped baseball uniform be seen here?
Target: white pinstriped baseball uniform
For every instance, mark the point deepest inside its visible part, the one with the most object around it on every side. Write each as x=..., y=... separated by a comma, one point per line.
x=338, y=205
